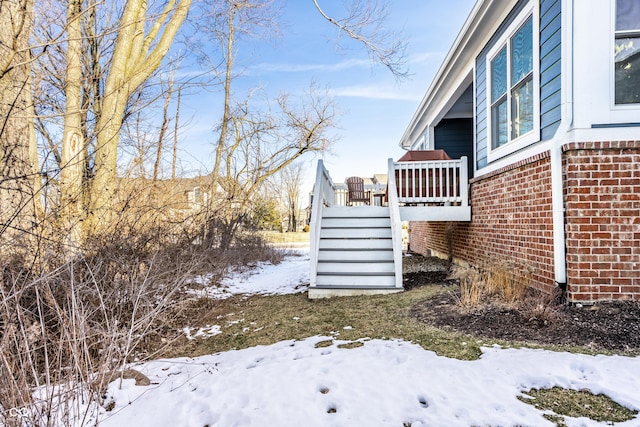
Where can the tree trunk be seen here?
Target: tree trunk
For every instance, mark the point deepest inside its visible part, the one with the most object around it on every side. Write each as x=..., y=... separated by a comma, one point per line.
x=163, y=131
x=19, y=177
x=73, y=144
x=174, y=158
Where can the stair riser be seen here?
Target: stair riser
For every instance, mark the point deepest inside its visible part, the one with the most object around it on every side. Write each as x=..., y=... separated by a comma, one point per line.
x=356, y=244
x=356, y=233
x=355, y=212
x=364, y=255
x=356, y=222
x=382, y=281
x=355, y=267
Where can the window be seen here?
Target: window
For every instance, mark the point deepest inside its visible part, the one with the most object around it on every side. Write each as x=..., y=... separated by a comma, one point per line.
x=512, y=100
x=627, y=52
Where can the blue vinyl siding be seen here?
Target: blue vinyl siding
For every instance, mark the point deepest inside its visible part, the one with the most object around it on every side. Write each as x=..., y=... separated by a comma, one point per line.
x=550, y=68
x=481, y=114
x=455, y=136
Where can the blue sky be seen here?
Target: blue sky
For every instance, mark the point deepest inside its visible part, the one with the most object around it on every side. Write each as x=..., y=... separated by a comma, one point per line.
x=375, y=109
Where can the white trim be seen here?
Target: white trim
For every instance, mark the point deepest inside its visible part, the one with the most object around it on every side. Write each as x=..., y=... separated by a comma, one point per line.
x=612, y=67
x=593, y=50
x=605, y=134
x=532, y=136
x=514, y=158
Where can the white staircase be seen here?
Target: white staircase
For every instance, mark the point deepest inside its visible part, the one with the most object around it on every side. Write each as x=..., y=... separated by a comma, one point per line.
x=355, y=252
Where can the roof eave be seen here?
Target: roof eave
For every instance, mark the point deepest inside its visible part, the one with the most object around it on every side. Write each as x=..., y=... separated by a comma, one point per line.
x=468, y=43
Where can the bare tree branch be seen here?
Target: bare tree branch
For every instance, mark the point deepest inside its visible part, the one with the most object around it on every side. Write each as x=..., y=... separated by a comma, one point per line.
x=365, y=23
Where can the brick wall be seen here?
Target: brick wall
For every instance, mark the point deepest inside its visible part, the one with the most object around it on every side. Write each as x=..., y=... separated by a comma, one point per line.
x=603, y=220
x=512, y=222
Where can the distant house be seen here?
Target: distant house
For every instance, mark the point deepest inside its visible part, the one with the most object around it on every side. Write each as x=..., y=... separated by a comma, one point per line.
x=540, y=102
x=181, y=194
x=544, y=96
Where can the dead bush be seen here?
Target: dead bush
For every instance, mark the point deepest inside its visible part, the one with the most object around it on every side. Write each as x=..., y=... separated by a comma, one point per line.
x=506, y=281
x=472, y=288
x=542, y=308
x=95, y=313
x=497, y=282
x=70, y=317
x=117, y=301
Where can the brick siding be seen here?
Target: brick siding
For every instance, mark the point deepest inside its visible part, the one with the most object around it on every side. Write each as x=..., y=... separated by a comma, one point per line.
x=512, y=221
x=602, y=196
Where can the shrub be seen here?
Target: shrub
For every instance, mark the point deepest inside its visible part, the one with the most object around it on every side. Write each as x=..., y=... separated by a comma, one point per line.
x=500, y=282
x=72, y=322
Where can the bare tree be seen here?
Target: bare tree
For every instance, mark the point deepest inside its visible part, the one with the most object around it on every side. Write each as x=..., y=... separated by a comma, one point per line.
x=90, y=85
x=71, y=179
x=137, y=54
x=263, y=143
x=163, y=127
x=290, y=182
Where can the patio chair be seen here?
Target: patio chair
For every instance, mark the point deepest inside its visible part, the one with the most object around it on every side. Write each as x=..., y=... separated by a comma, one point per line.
x=355, y=191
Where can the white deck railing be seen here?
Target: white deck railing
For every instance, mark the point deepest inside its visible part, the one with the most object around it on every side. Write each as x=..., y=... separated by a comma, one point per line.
x=324, y=194
x=432, y=181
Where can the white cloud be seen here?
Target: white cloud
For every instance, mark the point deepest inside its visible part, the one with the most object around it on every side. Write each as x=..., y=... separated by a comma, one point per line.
x=267, y=67
x=379, y=92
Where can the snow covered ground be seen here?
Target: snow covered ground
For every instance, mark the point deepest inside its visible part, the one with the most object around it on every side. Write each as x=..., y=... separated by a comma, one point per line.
x=289, y=277
x=380, y=383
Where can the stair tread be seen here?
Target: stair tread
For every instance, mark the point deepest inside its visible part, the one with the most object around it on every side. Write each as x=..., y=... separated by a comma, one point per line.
x=342, y=227
x=355, y=287
x=356, y=261
x=356, y=249
x=356, y=274
x=359, y=218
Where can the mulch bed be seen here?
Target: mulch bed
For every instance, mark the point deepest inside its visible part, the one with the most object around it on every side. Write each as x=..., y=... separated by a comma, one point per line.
x=613, y=326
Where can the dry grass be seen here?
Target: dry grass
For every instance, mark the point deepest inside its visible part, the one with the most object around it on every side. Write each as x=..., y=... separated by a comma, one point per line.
x=563, y=402
x=257, y=320
x=472, y=288
x=496, y=282
x=288, y=237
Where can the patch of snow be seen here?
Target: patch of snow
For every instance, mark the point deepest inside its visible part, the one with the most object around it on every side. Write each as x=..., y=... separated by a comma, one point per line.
x=291, y=276
x=204, y=332
x=380, y=383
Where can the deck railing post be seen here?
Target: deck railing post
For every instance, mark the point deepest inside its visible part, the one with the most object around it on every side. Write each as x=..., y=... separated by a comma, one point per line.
x=324, y=193
x=464, y=181
x=396, y=222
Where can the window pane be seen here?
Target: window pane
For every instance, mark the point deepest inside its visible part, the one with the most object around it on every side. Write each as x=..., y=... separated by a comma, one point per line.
x=522, y=108
x=522, y=52
x=627, y=15
x=499, y=121
x=499, y=75
x=627, y=57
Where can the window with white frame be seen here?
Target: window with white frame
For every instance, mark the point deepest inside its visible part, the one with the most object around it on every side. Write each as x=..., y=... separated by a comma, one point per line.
x=627, y=52
x=513, y=86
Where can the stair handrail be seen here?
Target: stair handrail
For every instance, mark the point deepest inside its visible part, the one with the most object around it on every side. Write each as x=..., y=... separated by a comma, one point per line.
x=324, y=193
x=396, y=222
